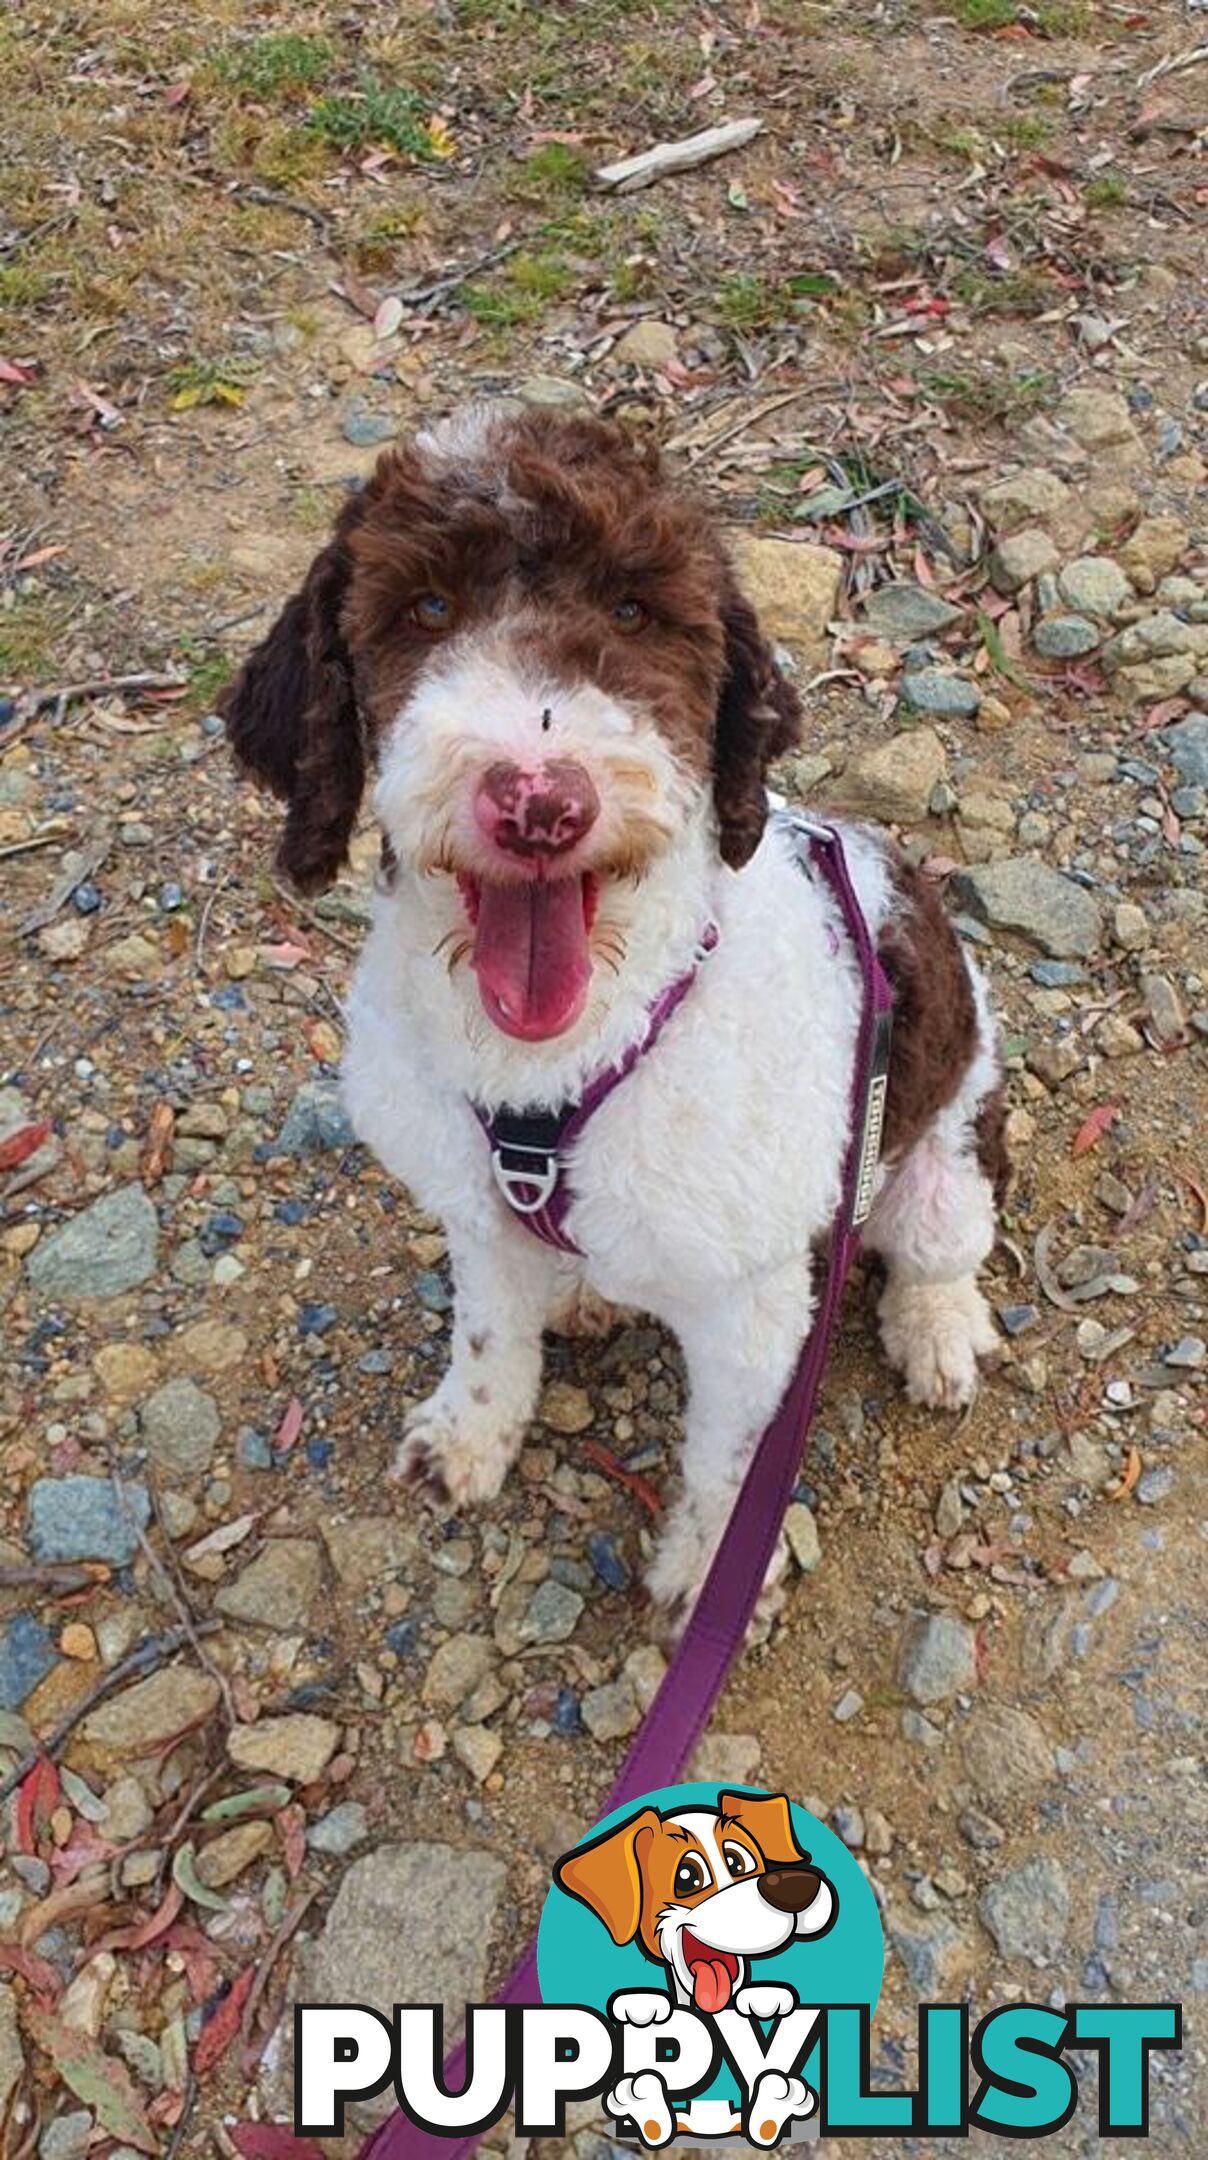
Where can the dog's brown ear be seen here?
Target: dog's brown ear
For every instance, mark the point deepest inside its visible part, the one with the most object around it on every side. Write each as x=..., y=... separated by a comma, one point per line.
x=291, y=715
x=758, y=718
x=768, y=1821
x=607, y=1874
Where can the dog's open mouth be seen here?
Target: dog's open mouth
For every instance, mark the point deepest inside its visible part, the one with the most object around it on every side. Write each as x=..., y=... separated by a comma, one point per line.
x=531, y=952
x=713, y=1973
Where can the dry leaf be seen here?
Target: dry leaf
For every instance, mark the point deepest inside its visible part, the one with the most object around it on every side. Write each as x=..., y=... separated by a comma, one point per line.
x=99, y=2080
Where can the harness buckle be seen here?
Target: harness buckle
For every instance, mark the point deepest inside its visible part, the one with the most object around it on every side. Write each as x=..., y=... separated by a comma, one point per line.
x=514, y=1181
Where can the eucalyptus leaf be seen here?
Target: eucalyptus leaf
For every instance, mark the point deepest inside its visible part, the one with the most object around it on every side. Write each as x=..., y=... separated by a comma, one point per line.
x=257, y=1800
x=186, y=1878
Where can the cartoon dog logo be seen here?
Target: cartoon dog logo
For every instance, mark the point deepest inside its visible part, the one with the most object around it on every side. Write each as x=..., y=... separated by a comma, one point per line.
x=704, y=1892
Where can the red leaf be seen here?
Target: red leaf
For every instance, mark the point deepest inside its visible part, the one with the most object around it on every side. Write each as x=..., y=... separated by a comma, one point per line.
x=15, y=372
x=36, y=1971
x=38, y=1795
x=219, y=2031
x=291, y=1827
x=138, y=1937
x=270, y=2141
x=289, y=1428
x=1092, y=1129
x=23, y=1143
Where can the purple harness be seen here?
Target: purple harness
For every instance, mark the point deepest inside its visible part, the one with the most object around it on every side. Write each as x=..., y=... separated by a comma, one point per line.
x=714, y=1633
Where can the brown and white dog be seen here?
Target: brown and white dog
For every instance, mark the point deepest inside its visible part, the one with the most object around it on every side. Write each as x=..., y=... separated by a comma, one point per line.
x=704, y=1891
x=532, y=642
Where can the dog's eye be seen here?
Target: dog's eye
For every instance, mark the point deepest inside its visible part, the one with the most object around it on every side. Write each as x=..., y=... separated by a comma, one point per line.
x=690, y=1876
x=630, y=615
x=432, y=611
x=738, y=1859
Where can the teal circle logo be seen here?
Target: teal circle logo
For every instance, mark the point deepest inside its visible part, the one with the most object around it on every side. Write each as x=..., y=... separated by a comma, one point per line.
x=720, y=1898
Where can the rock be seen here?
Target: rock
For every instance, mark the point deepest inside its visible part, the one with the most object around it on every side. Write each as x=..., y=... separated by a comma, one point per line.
x=649, y=343
x=316, y=1122
x=1130, y=929
x=1006, y=1754
x=565, y=1409
x=105, y=1250
x=233, y=1850
x=950, y=1508
x=934, y=690
x=554, y=393
x=937, y=1659
x=441, y=1904
x=878, y=1835
x=27, y=1654
x=363, y=428
x=524, y=1616
x=1117, y=1037
x=906, y=612
x=795, y=588
x=214, y=1346
x=343, y=1826
x=1187, y=745
x=1027, y=1910
x=366, y=1550
x=726, y=1758
x=1020, y=894
x=1098, y=419
x=1153, y=550
x=1164, y=1008
x=83, y=1518
x=65, y=941
x=610, y=1712
x=1020, y=557
x=849, y=1706
x=297, y=1746
x=1154, y=1486
x=149, y=1714
x=137, y=958
x=801, y=1531
x=1065, y=637
x=12, y=2058
x=893, y=780
x=124, y=1370
x=1029, y=496
x=456, y=1669
x=478, y=1749
x=1095, y=585
x=981, y=1831
x=180, y=1427
x=930, y=1951
x=67, y=2137
x=277, y=1589
x=127, y=1811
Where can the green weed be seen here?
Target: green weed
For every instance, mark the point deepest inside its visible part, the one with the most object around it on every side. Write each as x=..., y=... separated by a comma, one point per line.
x=1106, y=191
x=388, y=114
x=521, y=293
x=279, y=62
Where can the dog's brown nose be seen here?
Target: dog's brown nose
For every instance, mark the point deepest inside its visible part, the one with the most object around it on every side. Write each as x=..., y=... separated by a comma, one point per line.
x=790, y=1889
x=542, y=811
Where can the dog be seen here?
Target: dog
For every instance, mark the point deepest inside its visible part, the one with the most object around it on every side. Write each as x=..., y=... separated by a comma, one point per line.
x=533, y=643
x=704, y=1891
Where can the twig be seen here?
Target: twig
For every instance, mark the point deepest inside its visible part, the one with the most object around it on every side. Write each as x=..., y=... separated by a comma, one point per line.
x=88, y=858
x=274, y=200
x=173, y=1582
x=203, y=921
x=691, y=440
x=235, y=622
x=96, y=686
x=289, y=1926
x=313, y=921
x=1173, y=64
x=425, y=296
x=155, y=1651
x=28, y=847
x=642, y=171
x=182, y=2120
x=52, y=1575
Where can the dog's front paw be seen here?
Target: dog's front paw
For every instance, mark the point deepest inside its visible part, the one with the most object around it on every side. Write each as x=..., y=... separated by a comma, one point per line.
x=765, y=1999
x=454, y=1449
x=644, y=2097
x=640, y=2006
x=775, y=2101
x=682, y=1560
x=935, y=1333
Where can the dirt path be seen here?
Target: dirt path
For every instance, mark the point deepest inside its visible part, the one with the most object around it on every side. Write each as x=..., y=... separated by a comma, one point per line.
x=958, y=273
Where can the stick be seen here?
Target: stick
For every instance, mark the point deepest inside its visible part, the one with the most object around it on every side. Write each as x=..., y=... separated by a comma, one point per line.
x=289, y=1926
x=28, y=847
x=52, y=1575
x=1173, y=64
x=96, y=686
x=173, y=1582
x=90, y=857
x=274, y=200
x=155, y=1651
x=631, y=173
x=425, y=296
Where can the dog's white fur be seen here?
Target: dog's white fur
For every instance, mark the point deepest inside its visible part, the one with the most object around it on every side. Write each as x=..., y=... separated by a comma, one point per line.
x=704, y=1183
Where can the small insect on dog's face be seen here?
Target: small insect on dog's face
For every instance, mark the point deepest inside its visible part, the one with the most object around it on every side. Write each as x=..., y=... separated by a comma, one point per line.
x=538, y=644
x=704, y=1890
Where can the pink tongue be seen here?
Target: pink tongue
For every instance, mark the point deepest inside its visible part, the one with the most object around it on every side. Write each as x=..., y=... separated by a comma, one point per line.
x=531, y=956
x=711, y=1986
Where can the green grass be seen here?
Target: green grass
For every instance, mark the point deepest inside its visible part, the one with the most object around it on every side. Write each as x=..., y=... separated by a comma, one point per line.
x=557, y=172
x=1016, y=292
x=207, y=669
x=985, y=14
x=984, y=394
x=750, y=302
x=222, y=381
x=30, y=632
x=1025, y=131
x=521, y=292
x=386, y=114
x=1106, y=191
x=277, y=63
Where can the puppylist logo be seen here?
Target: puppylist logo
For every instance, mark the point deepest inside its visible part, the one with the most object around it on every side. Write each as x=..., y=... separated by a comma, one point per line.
x=709, y=1962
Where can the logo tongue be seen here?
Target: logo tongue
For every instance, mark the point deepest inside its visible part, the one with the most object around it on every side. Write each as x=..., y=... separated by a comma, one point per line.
x=710, y=1985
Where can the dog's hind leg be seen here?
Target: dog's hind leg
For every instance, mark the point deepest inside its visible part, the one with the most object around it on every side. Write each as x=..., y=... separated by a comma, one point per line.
x=934, y=1224
x=465, y=1437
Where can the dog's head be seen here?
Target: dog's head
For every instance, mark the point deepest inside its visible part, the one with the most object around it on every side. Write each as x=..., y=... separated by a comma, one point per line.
x=703, y=1890
x=539, y=645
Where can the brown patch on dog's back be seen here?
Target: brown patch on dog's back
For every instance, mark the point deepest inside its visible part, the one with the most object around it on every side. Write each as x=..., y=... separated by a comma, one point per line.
x=990, y=1130
x=934, y=1015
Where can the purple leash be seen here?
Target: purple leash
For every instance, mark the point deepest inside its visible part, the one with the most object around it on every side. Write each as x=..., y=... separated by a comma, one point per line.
x=714, y=1634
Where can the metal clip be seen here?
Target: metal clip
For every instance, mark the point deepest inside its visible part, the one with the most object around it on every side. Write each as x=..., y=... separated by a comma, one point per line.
x=513, y=1182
